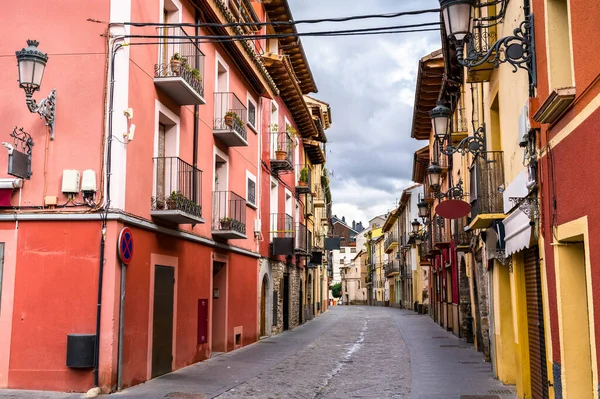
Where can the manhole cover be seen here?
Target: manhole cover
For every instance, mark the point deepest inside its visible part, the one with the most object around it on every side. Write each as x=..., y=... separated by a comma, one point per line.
x=501, y=391
x=472, y=363
x=439, y=337
x=183, y=395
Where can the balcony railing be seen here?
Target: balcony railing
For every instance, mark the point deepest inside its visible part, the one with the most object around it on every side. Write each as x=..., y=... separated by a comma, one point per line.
x=462, y=238
x=483, y=38
x=230, y=120
x=303, y=179
x=229, y=215
x=319, y=195
x=441, y=232
x=487, y=176
x=180, y=71
x=303, y=242
x=281, y=148
x=282, y=225
x=177, y=195
x=391, y=241
x=392, y=268
x=309, y=206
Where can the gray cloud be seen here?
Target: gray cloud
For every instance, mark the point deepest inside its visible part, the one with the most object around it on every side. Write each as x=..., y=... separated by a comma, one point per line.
x=369, y=82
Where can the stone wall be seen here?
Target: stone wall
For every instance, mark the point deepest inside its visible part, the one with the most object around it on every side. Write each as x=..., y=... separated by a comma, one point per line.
x=278, y=271
x=464, y=293
x=482, y=304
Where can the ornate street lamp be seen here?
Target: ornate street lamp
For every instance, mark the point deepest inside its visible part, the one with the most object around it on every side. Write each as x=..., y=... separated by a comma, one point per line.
x=434, y=173
x=423, y=209
x=517, y=50
x=32, y=63
x=416, y=226
x=440, y=120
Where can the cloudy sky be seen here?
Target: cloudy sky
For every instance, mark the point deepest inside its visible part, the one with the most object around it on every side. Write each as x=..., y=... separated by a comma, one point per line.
x=369, y=82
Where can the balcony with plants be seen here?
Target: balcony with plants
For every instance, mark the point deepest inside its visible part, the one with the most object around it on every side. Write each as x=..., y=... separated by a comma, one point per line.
x=487, y=181
x=303, y=179
x=177, y=193
x=229, y=215
x=230, y=120
x=180, y=71
x=281, y=149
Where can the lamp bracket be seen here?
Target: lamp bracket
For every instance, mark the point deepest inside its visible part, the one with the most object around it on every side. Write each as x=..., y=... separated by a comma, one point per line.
x=455, y=192
x=46, y=108
x=518, y=50
x=528, y=205
x=474, y=144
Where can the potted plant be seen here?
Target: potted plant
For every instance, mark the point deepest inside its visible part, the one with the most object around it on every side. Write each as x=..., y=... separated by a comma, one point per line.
x=175, y=200
x=176, y=62
x=303, y=180
x=280, y=153
x=196, y=75
x=225, y=223
x=229, y=117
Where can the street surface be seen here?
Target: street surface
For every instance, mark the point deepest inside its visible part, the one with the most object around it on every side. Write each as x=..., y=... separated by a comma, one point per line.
x=348, y=352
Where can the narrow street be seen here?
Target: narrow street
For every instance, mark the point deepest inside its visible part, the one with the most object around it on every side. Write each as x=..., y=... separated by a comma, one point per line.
x=348, y=352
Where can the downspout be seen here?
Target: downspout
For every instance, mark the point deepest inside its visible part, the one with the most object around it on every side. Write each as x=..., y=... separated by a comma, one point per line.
x=196, y=112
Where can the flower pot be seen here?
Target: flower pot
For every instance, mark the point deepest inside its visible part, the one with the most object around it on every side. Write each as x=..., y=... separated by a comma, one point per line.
x=225, y=224
x=175, y=67
x=171, y=204
x=302, y=183
x=280, y=155
x=229, y=120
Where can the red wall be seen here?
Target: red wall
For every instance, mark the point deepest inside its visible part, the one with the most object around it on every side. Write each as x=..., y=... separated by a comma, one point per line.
x=55, y=295
x=242, y=298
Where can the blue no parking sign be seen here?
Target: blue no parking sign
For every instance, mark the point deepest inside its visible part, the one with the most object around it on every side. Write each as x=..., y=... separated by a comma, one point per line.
x=125, y=245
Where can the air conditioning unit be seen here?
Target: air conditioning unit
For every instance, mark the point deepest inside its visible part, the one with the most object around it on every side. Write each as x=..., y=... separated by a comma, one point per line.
x=257, y=225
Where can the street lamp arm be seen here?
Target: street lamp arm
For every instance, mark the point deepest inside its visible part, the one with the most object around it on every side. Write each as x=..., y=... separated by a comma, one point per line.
x=45, y=109
x=474, y=144
x=518, y=50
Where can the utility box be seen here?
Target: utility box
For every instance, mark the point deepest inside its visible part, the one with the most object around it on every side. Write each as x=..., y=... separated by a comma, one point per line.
x=70, y=181
x=80, y=350
x=88, y=181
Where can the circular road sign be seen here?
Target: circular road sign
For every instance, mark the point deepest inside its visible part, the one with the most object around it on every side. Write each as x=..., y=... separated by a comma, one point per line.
x=125, y=245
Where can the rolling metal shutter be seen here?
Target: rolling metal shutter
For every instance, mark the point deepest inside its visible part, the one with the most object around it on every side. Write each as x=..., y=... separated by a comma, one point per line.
x=535, y=324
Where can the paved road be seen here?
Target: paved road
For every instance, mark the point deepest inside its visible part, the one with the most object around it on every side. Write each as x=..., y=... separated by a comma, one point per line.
x=348, y=352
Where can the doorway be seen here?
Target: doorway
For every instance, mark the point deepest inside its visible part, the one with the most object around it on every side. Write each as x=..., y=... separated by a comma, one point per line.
x=219, y=308
x=263, y=306
x=162, y=320
x=300, y=305
x=286, y=302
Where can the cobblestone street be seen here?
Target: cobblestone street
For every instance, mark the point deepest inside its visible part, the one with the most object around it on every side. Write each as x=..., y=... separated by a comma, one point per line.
x=348, y=352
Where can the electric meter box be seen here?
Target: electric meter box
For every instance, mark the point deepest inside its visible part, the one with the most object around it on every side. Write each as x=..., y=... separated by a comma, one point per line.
x=70, y=181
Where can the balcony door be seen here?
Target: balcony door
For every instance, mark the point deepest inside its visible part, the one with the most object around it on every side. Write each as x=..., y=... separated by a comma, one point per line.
x=166, y=160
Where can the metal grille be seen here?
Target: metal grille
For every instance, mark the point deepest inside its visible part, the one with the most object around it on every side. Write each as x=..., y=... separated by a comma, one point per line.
x=391, y=238
x=301, y=243
x=535, y=324
x=251, y=192
x=178, y=186
x=282, y=225
x=230, y=114
x=229, y=212
x=181, y=57
x=487, y=176
x=281, y=146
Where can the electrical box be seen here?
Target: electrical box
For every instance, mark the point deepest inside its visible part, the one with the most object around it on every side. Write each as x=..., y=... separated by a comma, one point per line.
x=70, y=181
x=257, y=225
x=80, y=350
x=88, y=180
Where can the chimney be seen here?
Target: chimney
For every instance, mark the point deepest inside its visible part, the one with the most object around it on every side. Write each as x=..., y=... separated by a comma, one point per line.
x=353, y=225
x=344, y=219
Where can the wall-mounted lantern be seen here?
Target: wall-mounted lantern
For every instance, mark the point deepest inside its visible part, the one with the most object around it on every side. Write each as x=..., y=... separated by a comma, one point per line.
x=31, y=63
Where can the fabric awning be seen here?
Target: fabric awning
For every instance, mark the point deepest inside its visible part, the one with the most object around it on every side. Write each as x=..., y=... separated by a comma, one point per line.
x=518, y=231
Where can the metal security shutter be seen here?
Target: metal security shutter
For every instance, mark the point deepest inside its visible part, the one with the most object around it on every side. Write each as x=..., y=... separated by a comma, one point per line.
x=535, y=324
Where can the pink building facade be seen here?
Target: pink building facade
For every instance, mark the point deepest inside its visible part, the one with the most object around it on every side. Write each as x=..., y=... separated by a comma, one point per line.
x=167, y=135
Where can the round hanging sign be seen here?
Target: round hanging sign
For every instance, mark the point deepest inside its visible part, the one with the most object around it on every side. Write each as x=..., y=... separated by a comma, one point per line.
x=125, y=245
x=453, y=209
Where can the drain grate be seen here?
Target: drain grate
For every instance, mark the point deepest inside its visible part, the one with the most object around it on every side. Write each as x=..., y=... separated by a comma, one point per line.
x=449, y=346
x=472, y=363
x=501, y=391
x=439, y=337
x=479, y=397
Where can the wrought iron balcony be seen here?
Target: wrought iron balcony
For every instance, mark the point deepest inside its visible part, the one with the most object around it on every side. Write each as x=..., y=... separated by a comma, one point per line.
x=303, y=179
x=229, y=215
x=180, y=71
x=441, y=232
x=482, y=40
x=309, y=206
x=391, y=241
x=462, y=238
x=303, y=241
x=282, y=226
x=319, y=196
x=281, y=148
x=392, y=268
x=487, y=178
x=230, y=120
x=177, y=195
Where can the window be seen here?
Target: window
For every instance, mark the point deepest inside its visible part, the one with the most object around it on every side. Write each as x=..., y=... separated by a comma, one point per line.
x=251, y=190
x=252, y=113
x=560, y=58
x=343, y=250
x=353, y=250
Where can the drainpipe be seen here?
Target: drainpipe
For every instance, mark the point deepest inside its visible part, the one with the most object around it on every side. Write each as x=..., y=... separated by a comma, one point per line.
x=196, y=110
x=121, y=328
